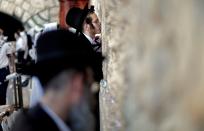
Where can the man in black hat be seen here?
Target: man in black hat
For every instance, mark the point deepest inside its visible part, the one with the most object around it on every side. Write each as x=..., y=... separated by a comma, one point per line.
x=65, y=70
x=87, y=23
x=88, y=27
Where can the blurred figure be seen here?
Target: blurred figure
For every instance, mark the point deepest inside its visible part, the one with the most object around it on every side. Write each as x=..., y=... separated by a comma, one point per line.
x=88, y=26
x=1, y=37
x=37, y=90
x=64, y=69
x=6, y=52
x=21, y=46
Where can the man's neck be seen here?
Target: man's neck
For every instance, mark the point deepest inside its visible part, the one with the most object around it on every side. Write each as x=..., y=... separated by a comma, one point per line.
x=89, y=34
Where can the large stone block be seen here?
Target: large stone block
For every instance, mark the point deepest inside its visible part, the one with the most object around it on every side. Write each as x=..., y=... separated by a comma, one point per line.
x=154, y=67
x=39, y=4
x=4, y=6
x=54, y=11
x=26, y=10
x=44, y=15
x=18, y=12
x=25, y=16
x=26, y=6
x=18, y=2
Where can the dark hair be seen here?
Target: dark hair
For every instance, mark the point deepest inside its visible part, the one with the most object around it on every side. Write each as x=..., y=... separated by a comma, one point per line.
x=76, y=17
x=88, y=19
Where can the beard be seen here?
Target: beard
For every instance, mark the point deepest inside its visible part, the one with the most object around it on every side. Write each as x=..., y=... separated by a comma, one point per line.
x=81, y=116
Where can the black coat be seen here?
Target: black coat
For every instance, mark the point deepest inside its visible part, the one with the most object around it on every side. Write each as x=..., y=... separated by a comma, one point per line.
x=98, y=74
x=35, y=119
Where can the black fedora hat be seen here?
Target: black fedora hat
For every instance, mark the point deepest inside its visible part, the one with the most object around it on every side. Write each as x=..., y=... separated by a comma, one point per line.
x=59, y=50
x=73, y=17
x=76, y=16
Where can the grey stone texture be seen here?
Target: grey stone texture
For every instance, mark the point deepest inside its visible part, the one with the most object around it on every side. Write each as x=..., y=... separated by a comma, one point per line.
x=27, y=11
x=155, y=65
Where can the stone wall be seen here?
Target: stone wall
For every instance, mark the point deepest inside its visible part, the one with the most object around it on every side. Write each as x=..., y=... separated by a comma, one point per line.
x=154, y=67
x=32, y=12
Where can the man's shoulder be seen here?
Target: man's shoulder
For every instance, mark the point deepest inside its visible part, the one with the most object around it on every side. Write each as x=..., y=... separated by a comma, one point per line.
x=34, y=119
x=85, y=44
x=83, y=38
x=23, y=122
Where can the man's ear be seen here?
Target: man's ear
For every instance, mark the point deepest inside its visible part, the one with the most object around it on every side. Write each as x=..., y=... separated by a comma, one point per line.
x=86, y=27
x=76, y=88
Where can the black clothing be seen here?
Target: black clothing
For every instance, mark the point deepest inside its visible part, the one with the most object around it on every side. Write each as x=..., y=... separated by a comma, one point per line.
x=35, y=119
x=98, y=74
x=3, y=85
x=63, y=50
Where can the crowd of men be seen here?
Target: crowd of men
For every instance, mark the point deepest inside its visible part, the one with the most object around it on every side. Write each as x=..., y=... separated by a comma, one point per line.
x=65, y=63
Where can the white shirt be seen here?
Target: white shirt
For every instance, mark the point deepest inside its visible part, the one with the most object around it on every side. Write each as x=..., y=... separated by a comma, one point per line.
x=37, y=92
x=50, y=26
x=20, y=45
x=93, y=43
x=5, y=50
x=60, y=124
x=25, y=43
x=89, y=38
x=71, y=29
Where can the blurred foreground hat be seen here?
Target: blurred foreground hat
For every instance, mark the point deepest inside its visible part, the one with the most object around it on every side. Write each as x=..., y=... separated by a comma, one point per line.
x=60, y=50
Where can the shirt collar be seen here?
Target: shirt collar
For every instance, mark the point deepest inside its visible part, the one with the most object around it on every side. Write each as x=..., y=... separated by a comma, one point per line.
x=89, y=38
x=60, y=124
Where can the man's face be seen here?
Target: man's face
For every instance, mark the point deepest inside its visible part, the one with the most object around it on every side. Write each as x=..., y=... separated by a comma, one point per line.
x=81, y=112
x=96, y=24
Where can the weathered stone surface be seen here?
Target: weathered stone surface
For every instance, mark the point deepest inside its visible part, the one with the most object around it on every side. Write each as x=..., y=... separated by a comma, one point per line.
x=25, y=17
x=26, y=6
x=49, y=3
x=54, y=19
x=18, y=12
x=154, y=66
x=26, y=10
x=4, y=6
x=44, y=15
x=38, y=4
x=31, y=23
x=18, y=2
x=54, y=11
x=9, y=8
x=37, y=20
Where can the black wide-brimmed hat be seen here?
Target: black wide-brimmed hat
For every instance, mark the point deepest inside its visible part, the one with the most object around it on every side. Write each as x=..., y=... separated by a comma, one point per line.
x=59, y=50
x=76, y=16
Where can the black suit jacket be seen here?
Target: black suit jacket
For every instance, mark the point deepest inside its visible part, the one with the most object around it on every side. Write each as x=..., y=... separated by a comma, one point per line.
x=87, y=43
x=35, y=119
x=98, y=74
